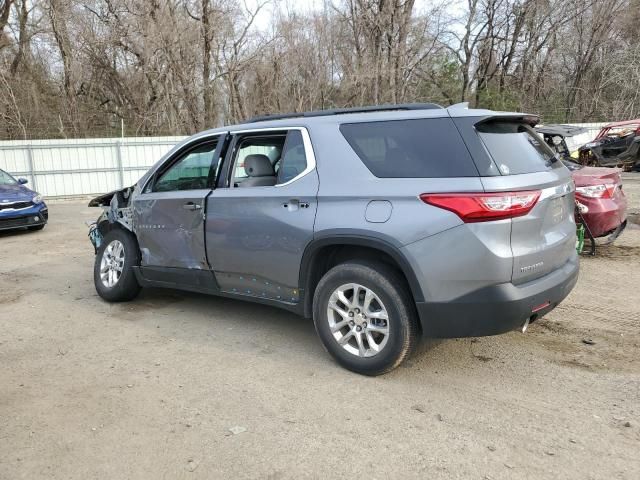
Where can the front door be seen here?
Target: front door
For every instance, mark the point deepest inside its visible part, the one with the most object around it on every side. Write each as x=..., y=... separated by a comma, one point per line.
x=260, y=222
x=169, y=214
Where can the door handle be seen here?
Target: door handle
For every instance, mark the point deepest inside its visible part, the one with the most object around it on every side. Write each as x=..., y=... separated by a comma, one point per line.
x=294, y=204
x=191, y=206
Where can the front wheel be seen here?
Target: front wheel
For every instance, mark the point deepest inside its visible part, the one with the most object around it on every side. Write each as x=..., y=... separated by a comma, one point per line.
x=365, y=316
x=113, y=274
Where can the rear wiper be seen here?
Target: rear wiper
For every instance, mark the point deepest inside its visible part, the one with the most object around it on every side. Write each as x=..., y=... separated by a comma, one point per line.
x=553, y=159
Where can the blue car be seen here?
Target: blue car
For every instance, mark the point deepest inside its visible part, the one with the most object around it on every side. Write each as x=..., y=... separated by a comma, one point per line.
x=20, y=207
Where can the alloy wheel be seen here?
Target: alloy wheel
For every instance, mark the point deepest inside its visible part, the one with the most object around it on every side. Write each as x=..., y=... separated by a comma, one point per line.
x=112, y=263
x=358, y=320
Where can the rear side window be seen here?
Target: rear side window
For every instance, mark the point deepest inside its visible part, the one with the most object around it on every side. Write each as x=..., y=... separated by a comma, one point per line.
x=294, y=160
x=423, y=148
x=516, y=148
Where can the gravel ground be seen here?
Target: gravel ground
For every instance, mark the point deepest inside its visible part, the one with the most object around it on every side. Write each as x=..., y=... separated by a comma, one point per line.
x=179, y=385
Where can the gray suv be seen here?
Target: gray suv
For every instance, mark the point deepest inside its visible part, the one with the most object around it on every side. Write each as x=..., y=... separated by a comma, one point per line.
x=380, y=223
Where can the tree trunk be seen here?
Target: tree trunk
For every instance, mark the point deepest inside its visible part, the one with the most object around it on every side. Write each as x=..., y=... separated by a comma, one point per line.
x=58, y=13
x=23, y=40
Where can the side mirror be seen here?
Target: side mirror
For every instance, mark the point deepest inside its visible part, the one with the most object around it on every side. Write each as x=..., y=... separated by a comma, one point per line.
x=22, y=181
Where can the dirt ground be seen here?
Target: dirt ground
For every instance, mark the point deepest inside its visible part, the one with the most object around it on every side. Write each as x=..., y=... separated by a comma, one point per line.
x=153, y=388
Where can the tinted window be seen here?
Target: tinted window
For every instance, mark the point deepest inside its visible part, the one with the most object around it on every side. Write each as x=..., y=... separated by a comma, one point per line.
x=191, y=172
x=516, y=148
x=411, y=148
x=294, y=160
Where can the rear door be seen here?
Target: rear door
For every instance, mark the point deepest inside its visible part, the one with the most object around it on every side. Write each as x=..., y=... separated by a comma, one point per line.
x=544, y=239
x=258, y=226
x=169, y=213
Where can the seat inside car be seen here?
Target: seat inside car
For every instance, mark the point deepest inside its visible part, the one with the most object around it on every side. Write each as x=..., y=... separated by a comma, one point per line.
x=260, y=171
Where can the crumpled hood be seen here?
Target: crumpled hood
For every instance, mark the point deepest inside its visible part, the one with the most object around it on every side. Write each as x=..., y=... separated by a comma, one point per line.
x=15, y=193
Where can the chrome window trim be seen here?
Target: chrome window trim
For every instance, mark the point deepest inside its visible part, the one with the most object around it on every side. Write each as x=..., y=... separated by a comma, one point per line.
x=306, y=141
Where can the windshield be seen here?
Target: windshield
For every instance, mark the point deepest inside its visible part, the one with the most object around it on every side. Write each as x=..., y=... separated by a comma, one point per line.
x=6, y=179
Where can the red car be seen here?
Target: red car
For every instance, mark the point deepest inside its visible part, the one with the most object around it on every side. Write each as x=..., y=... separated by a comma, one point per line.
x=599, y=194
x=600, y=199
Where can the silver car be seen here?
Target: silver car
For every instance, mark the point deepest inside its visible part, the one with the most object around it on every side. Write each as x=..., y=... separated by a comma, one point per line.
x=383, y=224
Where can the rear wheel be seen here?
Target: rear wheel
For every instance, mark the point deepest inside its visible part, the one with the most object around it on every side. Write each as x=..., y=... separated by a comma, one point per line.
x=365, y=317
x=113, y=274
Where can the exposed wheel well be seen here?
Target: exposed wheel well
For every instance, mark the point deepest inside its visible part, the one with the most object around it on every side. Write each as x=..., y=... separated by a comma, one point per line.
x=327, y=257
x=105, y=226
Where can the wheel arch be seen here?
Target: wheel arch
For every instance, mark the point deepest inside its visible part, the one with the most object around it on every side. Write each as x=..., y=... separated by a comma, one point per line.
x=324, y=252
x=105, y=225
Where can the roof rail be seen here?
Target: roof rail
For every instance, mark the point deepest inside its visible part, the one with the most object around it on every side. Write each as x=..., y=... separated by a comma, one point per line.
x=340, y=111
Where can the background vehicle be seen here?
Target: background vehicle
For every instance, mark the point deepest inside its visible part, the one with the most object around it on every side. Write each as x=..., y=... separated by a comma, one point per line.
x=380, y=223
x=617, y=145
x=20, y=207
x=599, y=194
x=600, y=198
x=558, y=136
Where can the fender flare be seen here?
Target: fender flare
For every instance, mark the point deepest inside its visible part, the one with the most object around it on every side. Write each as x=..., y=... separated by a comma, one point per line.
x=309, y=256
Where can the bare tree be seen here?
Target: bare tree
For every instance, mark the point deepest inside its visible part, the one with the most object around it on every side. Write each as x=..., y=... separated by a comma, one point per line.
x=5, y=10
x=81, y=67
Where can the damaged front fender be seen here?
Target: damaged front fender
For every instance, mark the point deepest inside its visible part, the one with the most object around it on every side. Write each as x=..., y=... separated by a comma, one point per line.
x=117, y=211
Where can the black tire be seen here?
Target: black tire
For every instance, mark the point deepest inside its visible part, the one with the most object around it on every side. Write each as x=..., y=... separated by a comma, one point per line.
x=392, y=289
x=36, y=227
x=126, y=287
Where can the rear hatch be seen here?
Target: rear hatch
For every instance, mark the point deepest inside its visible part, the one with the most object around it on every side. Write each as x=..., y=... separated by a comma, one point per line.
x=515, y=158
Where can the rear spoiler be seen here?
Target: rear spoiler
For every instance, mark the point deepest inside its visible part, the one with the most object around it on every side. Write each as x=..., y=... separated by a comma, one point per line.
x=527, y=118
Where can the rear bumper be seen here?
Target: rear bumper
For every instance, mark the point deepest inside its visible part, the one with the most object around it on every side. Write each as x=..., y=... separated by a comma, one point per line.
x=498, y=308
x=604, y=215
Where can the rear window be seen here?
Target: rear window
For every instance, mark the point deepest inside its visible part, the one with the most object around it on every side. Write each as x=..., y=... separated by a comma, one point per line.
x=516, y=148
x=423, y=148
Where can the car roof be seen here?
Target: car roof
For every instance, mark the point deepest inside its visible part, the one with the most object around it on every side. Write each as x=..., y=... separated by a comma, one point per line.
x=308, y=119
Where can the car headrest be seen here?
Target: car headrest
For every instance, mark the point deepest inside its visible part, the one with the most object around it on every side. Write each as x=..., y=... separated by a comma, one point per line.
x=393, y=154
x=258, y=165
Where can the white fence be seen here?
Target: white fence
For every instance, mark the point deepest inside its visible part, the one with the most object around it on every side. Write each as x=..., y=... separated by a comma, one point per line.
x=59, y=168
x=592, y=130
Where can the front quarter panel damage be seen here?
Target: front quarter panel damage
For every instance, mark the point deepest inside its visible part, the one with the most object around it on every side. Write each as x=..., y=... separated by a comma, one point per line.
x=117, y=211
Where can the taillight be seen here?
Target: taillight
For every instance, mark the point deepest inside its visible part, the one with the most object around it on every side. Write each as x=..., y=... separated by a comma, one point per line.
x=597, y=191
x=483, y=207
